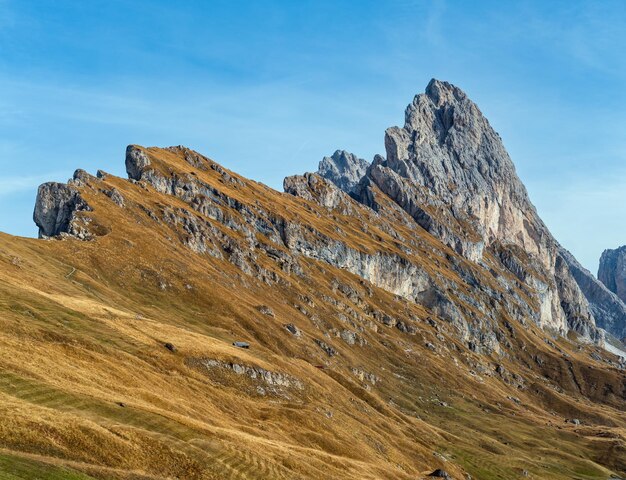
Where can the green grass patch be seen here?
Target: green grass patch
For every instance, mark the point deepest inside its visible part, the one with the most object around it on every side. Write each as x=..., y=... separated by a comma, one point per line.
x=14, y=468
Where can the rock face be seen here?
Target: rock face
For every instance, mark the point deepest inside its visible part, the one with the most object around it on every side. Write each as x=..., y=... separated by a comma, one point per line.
x=607, y=308
x=612, y=271
x=55, y=209
x=343, y=169
x=136, y=161
x=448, y=147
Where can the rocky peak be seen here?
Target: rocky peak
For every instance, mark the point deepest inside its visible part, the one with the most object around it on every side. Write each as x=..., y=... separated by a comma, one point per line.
x=449, y=147
x=344, y=169
x=443, y=92
x=612, y=271
x=448, y=169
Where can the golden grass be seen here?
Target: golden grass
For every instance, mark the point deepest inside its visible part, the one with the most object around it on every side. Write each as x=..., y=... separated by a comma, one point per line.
x=87, y=389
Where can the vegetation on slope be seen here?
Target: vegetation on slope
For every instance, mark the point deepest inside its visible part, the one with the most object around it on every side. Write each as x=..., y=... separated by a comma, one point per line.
x=88, y=388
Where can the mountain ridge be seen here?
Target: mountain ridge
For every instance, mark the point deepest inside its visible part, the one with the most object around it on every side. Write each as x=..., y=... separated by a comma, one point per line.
x=379, y=346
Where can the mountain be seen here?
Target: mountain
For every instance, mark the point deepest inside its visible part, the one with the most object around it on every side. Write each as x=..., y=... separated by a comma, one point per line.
x=448, y=169
x=612, y=271
x=344, y=169
x=612, y=275
x=390, y=320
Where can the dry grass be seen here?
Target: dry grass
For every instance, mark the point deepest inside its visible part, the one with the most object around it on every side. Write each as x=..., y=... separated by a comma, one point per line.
x=87, y=389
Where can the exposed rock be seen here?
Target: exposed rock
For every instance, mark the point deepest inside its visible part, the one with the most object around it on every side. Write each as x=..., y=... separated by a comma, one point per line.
x=265, y=310
x=115, y=195
x=349, y=336
x=427, y=210
x=136, y=162
x=330, y=351
x=608, y=309
x=295, y=331
x=365, y=376
x=612, y=271
x=55, y=210
x=170, y=347
x=275, y=379
x=448, y=147
x=439, y=473
x=344, y=169
x=316, y=189
x=81, y=178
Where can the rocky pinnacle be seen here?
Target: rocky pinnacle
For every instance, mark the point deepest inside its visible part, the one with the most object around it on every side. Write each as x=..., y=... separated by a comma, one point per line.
x=448, y=168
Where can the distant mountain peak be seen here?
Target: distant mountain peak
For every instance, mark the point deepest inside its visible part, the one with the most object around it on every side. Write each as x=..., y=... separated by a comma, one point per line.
x=612, y=271
x=344, y=169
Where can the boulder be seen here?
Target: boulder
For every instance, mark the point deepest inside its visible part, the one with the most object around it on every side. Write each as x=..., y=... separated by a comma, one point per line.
x=56, y=207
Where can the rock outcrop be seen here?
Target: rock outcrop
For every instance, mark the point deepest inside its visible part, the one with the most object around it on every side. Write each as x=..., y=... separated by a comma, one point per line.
x=612, y=271
x=344, y=169
x=56, y=209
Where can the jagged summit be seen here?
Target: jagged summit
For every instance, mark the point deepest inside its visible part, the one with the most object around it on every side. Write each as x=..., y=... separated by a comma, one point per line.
x=443, y=92
x=448, y=169
x=344, y=169
x=449, y=147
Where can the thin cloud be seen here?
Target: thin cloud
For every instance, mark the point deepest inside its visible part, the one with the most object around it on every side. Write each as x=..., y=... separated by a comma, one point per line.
x=15, y=184
x=433, y=28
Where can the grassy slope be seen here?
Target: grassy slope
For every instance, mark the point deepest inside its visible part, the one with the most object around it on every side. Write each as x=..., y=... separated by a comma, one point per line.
x=87, y=386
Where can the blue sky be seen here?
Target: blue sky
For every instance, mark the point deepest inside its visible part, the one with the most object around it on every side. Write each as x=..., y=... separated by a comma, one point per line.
x=267, y=88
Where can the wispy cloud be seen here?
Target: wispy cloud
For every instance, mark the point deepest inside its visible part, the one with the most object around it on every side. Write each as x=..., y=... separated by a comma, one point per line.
x=433, y=27
x=14, y=184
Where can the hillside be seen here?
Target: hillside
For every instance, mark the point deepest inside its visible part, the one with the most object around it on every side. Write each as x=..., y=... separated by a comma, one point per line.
x=422, y=319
